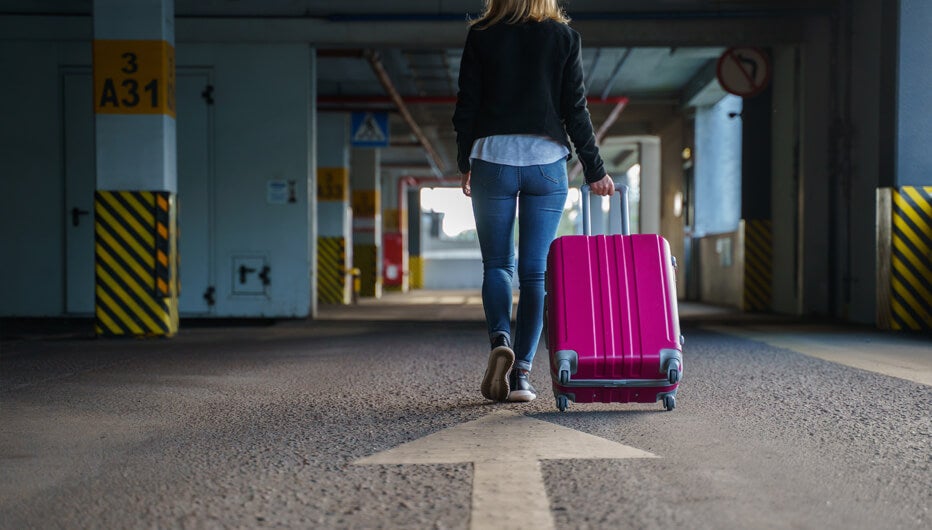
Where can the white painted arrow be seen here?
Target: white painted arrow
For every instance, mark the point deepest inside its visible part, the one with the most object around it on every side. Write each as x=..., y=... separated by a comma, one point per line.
x=505, y=449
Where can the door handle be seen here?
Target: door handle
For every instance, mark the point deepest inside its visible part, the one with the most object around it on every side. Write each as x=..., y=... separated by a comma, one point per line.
x=76, y=214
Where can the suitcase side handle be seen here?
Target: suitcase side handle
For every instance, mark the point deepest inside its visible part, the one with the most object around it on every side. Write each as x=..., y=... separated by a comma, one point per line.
x=622, y=192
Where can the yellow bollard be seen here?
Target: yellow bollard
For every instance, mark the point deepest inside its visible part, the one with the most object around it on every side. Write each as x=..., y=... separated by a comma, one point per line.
x=357, y=283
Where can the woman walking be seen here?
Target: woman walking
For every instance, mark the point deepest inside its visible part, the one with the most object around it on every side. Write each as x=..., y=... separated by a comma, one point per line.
x=521, y=93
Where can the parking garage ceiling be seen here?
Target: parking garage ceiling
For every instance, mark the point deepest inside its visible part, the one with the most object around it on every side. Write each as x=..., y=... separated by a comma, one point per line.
x=657, y=80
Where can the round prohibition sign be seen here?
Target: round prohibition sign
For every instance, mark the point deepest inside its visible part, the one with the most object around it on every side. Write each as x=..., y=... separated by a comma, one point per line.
x=744, y=72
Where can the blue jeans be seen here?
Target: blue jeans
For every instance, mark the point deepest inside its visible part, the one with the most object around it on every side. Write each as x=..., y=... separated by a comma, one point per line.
x=539, y=194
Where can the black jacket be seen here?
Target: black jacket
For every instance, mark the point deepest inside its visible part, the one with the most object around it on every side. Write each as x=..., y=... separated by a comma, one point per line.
x=525, y=79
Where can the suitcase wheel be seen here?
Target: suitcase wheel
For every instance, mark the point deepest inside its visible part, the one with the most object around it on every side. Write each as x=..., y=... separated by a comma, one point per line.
x=669, y=402
x=674, y=371
x=562, y=403
x=564, y=376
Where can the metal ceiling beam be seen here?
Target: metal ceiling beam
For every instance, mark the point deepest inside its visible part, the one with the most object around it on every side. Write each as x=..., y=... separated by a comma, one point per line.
x=615, y=74
x=385, y=80
x=433, y=100
x=703, y=88
x=594, y=64
x=756, y=31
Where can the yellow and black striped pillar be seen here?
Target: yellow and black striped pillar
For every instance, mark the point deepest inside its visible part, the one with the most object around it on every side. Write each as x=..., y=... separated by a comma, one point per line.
x=365, y=259
x=758, y=265
x=331, y=270
x=367, y=220
x=136, y=266
x=910, y=272
x=136, y=233
x=334, y=278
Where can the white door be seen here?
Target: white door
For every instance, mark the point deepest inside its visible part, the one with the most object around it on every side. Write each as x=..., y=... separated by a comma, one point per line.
x=194, y=186
x=80, y=183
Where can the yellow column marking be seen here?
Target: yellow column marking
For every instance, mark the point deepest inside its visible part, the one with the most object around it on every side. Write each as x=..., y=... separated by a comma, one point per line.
x=134, y=77
x=144, y=209
x=909, y=254
x=130, y=261
x=145, y=233
x=924, y=203
x=115, y=308
x=140, y=291
x=128, y=300
x=907, y=209
x=332, y=183
x=105, y=318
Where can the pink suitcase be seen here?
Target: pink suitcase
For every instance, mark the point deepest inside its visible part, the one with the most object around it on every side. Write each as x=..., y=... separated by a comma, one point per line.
x=611, y=315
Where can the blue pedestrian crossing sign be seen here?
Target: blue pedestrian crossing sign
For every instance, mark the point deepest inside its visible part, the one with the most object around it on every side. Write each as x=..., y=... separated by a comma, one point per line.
x=369, y=129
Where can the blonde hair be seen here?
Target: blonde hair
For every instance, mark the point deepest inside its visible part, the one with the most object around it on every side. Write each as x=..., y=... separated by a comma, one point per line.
x=519, y=11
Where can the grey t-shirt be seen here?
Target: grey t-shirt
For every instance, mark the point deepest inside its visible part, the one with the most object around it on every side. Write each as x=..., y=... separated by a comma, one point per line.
x=519, y=150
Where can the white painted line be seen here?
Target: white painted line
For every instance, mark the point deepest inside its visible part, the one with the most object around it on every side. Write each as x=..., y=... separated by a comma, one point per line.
x=505, y=449
x=897, y=356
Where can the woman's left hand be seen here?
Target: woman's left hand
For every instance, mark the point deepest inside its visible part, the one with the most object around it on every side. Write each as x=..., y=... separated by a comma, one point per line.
x=467, y=191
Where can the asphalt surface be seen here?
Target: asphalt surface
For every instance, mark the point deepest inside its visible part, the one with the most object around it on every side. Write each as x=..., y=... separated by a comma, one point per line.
x=262, y=426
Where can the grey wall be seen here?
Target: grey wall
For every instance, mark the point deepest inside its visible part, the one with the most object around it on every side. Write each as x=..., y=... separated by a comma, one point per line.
x=815, y=222
x=721, y=259
x=856, y=248
x=785, y=180
x=32, y=209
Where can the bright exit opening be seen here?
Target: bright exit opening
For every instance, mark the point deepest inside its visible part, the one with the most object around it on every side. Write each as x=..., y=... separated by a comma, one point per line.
x=449, y=217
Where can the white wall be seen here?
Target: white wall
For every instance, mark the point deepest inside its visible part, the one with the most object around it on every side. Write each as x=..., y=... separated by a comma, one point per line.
x=262, y=132
x=263, y=117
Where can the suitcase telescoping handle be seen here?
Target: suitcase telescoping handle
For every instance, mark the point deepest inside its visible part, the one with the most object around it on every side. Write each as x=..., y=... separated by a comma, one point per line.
x=621, y=191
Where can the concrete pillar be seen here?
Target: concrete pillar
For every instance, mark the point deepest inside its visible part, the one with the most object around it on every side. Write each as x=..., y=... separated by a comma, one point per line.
x=415, y=262
x=718, y=167
x=785, y=193
x=904, y=265
x=672, y=210
x=366, y=185
x=334, y=234
x=816, y=193
x=648, y=219
x=136, y=258
x=756, y=169
x=914, y=99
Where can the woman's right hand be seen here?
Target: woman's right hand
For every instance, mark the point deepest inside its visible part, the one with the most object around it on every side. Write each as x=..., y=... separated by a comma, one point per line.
x=606, y=186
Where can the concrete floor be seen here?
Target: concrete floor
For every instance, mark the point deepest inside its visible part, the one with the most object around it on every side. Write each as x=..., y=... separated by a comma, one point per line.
x=371, y=418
